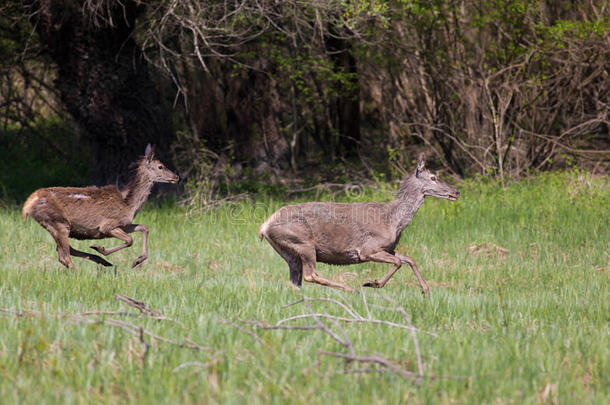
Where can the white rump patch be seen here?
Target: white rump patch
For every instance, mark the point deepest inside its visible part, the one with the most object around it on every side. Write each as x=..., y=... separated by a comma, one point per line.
x=80, y=196
x=265, y=225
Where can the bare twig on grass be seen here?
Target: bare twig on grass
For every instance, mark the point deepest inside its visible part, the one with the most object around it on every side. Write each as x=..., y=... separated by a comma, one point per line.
x=374, y=359
x=405, y=315
x=194, y=364
x=144, y=309
x=19, y=314
x=246, y=331
x=138, y=331
x=133, y=329
x=146, y=346
x=139, y=305
x=335, y=331
x=354, y=315
x=112, y=313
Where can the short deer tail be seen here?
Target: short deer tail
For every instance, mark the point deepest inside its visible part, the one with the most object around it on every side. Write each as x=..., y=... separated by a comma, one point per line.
x=29, y=203
x=263, y=229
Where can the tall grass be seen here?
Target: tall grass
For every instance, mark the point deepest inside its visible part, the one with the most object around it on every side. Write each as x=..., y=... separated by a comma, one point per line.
x=519, y=303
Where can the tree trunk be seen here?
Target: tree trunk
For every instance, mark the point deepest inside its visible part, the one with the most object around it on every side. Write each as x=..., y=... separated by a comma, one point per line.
x=237, y=113
x=104, y=82
x=348, y=96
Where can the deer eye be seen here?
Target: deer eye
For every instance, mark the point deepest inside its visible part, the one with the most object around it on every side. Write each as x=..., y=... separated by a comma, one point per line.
x=433, y=178
x=160, y=167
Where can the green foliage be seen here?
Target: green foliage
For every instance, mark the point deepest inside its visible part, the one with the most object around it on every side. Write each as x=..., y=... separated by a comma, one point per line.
x=519, y=302
x=47, y=153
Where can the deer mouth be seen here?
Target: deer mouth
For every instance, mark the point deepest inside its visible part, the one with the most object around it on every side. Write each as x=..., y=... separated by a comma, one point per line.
x=454, y=196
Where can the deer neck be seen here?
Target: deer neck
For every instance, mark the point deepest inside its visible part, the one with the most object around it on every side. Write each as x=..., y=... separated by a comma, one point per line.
x=137, y=193
x=404, y=209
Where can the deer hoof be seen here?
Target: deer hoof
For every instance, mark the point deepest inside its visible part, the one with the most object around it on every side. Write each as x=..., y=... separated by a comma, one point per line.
x=99, y=249
x=99, y=260
x=373, y=284
x=138, y=261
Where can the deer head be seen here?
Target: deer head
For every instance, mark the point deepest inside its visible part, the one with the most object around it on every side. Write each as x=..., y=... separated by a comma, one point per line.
x=155, y=169
x=430, y=185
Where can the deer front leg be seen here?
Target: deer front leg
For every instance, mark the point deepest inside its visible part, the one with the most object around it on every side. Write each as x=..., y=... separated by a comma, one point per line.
x=144, y=230
x=382, y=257
x=424, y=286
x=119, y=234
x=122, y=233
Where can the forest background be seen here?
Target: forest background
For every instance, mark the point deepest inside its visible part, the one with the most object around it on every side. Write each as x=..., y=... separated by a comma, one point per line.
x=258, y=104
x=240, y=94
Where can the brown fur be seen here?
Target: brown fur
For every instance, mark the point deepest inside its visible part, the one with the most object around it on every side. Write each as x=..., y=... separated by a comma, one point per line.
x=342, y=234
x=97, y=212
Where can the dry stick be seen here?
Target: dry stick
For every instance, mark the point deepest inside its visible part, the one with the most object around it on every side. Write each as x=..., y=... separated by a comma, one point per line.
x=192, y=364
x=366, y=304
x=420, y=364
x=117, y=313
x=351, y=320
x=371, y=359
x=139, y=305
x=31, y=312
x=254, y=335
x=16, y=313
x=265, y=326
x=146, y=346
x=344, y=340
x=352, y=357
x=135, y=331
x=144, y=309
x=356, y=317
x=349, y=310
x=130, y=328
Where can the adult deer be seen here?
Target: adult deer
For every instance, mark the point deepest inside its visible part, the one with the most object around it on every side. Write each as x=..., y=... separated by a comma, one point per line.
x=97, y=212
x=336, y=233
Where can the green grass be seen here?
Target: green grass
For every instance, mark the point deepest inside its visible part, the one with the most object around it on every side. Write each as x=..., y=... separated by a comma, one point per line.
x=519, y=303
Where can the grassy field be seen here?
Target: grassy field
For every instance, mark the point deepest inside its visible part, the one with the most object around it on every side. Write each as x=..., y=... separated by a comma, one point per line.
x=519, y=309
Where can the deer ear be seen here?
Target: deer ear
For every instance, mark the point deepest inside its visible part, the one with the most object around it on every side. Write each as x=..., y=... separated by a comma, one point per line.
x=149, y=153
x=421, y=162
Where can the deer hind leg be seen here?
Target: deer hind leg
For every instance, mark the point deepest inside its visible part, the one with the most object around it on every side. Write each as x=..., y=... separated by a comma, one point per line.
x=296, y=271
x=294, y=262
x=424, y=286
x=383, y=257
x=92, y=257
x=311, y=275
x=61, y=233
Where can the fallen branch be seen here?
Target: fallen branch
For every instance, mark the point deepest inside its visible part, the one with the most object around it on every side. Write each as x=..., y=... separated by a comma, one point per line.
x=135, y=330
x=382, y=361
x=335, y=332
x=138, y=331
